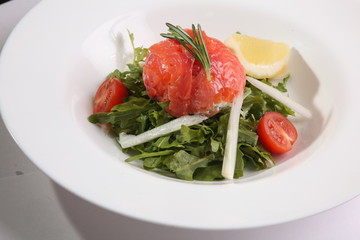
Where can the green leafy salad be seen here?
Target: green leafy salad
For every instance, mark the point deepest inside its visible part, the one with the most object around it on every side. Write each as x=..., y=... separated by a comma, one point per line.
x=194, y=152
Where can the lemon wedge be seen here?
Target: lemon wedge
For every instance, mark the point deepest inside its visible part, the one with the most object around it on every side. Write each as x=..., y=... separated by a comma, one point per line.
x=260, y=58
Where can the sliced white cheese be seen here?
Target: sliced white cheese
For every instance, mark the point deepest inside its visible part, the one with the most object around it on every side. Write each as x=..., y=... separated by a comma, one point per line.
x=280, y=97
x=229, y=160
x=127, y=140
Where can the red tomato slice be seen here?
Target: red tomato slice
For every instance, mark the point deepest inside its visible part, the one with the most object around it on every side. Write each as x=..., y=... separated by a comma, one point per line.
x=110, y=93
x=276, y=133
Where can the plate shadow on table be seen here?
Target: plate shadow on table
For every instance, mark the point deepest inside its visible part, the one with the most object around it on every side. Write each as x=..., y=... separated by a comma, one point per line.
x=93, y=222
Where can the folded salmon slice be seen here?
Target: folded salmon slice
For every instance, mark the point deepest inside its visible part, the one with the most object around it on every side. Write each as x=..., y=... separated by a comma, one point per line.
x=171, y=74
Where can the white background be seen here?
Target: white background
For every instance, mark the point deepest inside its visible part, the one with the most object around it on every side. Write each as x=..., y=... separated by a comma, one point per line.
x=32, y=207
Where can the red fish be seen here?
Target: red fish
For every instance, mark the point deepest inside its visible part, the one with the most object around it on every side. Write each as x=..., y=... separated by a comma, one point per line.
x=172, y=74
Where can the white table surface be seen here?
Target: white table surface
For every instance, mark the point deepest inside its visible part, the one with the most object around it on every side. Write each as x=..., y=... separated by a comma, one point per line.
x=32, y=207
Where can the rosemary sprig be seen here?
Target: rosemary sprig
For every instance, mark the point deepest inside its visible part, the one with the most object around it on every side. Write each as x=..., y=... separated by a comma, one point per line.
x=196, y=46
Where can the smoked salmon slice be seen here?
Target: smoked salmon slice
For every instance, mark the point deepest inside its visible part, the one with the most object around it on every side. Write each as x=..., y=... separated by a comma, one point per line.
x=171, y=73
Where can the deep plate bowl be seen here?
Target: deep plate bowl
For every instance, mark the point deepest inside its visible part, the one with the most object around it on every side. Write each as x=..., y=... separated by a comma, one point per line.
x=61, y=51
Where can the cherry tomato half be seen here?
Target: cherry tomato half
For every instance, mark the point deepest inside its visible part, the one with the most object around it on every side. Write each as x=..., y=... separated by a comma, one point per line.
x=110, y=93
x=276, y=133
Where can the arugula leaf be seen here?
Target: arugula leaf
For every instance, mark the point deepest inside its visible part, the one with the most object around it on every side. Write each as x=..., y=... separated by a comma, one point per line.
x=132, y=78
x=152, y=163
x=240, y=164
x=139, y=52
x=258, y=103
x=188, y=135
x=215, y=145
x=147, y=155
x=166, y=143
x=185, y=164
x=209, y=173
x=282, y=85
x=246, y=136
x=132, y=116
x=257, y=158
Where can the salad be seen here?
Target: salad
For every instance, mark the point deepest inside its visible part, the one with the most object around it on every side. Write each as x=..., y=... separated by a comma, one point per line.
x=190, y=107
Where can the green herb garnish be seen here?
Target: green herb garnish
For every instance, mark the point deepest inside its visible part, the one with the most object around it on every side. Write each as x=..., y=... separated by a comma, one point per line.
x=196, y=46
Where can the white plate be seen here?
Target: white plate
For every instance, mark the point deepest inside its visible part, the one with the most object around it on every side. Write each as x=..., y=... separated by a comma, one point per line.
x=61, y=51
